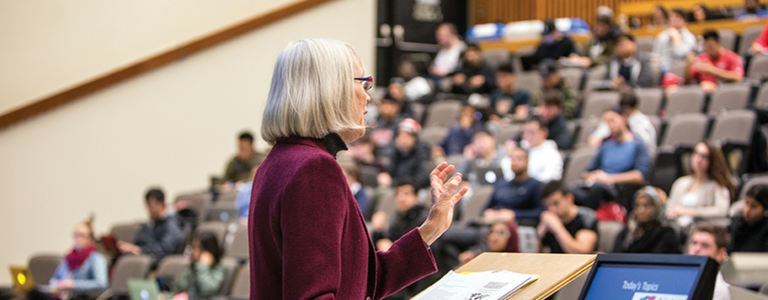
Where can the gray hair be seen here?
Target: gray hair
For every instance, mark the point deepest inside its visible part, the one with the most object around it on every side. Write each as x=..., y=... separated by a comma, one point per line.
x=312, y=91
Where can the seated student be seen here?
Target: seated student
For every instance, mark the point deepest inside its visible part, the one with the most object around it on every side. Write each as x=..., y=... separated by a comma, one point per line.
x=409, y=157
x=83, y=271
x=517, y=200
x=243, y=199
x=706, y=193
x=502, y=237
x=415, y=87
x=554, y=44
x=749, y=230
x=483, y=152
x=410, y=214
x=629, y=68
x=474, y=76
x=712, y=241
x=552, y=83
x=622, y=159
x=660, y=17
x=239, y=167
x=602, y=45
x=644, y=232
x=447, y=59
x=701, y=13
x=550, y=111
x=508, y=98
x=388, y=120
x=752, y=10
x=638, y=123
x=364, y=151
x=205, y=276
x=352, y=174
x=460, y=136
x=563, y=226
x=161, y=236
x=675, y=42
x=715, y=65
x=544, y=161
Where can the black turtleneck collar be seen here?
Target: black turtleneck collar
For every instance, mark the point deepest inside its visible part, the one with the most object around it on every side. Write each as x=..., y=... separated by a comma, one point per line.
x=333, y=143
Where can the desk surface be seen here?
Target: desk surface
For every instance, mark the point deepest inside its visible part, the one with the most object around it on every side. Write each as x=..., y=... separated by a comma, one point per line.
x=554, y=270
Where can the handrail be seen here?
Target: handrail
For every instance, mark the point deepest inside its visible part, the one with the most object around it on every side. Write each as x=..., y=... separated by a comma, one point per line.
x=71, y=94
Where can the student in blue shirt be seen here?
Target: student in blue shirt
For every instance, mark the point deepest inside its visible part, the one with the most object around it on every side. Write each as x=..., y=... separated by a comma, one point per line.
x=752, y=9
x=621, y=160
x=84, y=270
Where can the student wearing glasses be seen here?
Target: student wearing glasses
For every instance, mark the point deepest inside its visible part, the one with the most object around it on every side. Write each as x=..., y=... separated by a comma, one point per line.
x=706, y=193
x=308, y=238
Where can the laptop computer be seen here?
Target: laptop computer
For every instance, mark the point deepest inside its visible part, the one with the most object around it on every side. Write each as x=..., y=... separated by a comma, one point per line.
x=109, y=242
x=488, y=176
x=22, y=279
x=140, y=289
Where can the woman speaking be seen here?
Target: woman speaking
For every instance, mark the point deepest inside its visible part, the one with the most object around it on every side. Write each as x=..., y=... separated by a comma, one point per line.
x=308, y=239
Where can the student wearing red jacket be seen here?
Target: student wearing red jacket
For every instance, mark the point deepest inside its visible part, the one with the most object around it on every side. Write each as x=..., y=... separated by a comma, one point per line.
x=715, y=65
x=308, y=238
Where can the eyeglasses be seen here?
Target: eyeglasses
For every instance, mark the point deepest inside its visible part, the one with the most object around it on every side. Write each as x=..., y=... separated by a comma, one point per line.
x=367, y=82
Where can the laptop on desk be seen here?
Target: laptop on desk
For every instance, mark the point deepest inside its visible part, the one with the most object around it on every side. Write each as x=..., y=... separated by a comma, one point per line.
x=488, y=176
x=141, y=289
x=22, y=279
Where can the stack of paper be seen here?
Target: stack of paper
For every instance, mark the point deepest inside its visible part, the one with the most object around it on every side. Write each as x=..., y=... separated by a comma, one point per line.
x=475, y=286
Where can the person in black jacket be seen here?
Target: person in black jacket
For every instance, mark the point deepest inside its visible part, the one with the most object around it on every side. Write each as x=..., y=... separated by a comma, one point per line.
x=749, y=230
x=554, y=44
x=161, y=236
x=409, y=156
x=474, y=76
x=644, y=232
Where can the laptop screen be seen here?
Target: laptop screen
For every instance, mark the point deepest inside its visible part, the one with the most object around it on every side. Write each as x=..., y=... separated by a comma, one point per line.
x=641, y=282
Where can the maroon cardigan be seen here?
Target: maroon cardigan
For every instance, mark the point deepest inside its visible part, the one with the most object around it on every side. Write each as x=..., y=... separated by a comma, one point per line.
x=308, y=238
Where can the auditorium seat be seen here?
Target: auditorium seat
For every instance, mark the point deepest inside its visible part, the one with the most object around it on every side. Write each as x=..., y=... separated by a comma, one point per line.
x=239, y=247
x=528, y=240
x=758, y=179
x=443, y=113
x=126, y=232
x=43, y=267
x=581, y=134
x=748, y=36
x=474, y=209
x=217, y=228
x=645, y=43
x=687, y=99
x=496, y=57
x=733, y=130
x=508, y=131
x=686, y=129
x=386, y=203
x=649, y=100
x=607, y=232
x=198, y=202
x=729, y=97
x=128, y=267
x=170, y=267
x=418, y=111
x=727, y=39
x=598, y=102
x=572, y=77
x=762, y=97
x=529, y=81
x=577, y=162
x=433, y=135
x=758, y=68
x=228, y=196
x=241, y=289
x=231, y=265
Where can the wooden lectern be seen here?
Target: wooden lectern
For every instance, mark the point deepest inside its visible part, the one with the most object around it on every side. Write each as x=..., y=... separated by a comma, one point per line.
x=555, y=270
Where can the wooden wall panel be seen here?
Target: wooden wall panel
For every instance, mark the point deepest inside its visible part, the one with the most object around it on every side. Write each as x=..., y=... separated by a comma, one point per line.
x=505, y=11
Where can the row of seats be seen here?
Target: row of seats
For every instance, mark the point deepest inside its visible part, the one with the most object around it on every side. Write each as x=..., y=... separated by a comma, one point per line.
x=236, y=284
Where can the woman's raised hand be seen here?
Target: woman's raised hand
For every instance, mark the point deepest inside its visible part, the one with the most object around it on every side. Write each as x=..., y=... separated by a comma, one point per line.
x=443, y=201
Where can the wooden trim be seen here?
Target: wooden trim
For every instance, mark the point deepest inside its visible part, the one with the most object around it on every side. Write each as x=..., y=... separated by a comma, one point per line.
x=647, y=7
x=69, y=95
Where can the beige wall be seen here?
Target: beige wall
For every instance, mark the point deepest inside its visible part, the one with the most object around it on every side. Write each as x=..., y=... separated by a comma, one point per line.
x=51, y=45
x=172, y=127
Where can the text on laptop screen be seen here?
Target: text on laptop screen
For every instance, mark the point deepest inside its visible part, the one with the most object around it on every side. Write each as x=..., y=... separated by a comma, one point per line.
x=633, y=282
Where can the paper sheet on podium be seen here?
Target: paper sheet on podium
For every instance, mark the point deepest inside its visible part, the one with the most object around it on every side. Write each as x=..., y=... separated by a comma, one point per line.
x=474, y=286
